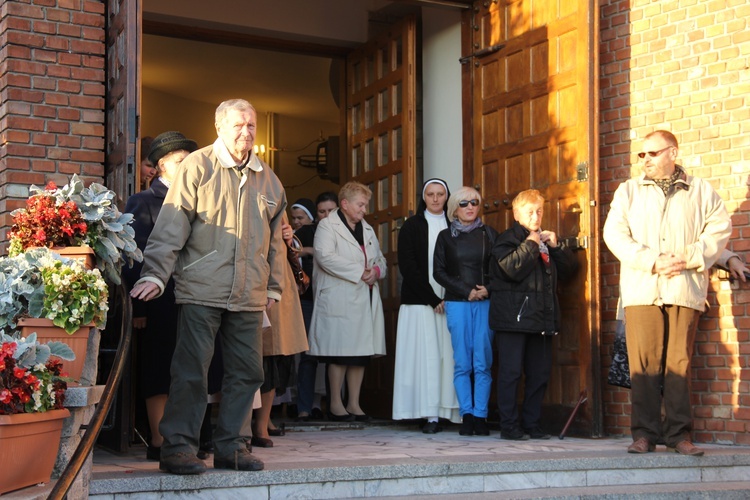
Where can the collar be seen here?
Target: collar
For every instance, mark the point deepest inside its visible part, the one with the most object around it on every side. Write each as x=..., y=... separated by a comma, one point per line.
x=226, y=160
x=682, y=181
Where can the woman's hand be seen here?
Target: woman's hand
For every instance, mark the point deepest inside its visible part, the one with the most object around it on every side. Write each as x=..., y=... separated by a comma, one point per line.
x=478, y=293
x=287, y=233
x=370, y=276
x=549, y=238
x=440, y=308
x=139, y=323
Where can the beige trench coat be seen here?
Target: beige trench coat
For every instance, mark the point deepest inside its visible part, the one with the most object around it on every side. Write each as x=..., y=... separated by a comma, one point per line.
x=347, y=319
x=286, y=334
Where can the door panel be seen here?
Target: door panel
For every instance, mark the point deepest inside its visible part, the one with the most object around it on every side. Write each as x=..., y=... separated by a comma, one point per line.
x=381, y=152
x=123, y=65
x=123, y=82
x=533, y=120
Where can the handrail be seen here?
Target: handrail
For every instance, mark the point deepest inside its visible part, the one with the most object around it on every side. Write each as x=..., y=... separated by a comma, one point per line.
x=60, y=490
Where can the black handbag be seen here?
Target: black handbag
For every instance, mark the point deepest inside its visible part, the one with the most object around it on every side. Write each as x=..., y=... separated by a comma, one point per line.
x=619, y=370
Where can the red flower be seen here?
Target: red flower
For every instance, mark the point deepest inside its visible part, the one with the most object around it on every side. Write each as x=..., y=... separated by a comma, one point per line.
x=5, y=396
x=19, y=372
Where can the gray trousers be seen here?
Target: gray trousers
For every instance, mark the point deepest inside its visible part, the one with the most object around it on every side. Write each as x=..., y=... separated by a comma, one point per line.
x=197, y=326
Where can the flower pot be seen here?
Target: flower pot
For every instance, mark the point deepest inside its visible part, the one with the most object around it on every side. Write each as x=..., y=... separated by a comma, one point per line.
x=46, y=331
x=28, y=447
x=83, y=254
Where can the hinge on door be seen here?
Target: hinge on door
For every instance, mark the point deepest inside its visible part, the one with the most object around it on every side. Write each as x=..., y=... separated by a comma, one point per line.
x=582, y=170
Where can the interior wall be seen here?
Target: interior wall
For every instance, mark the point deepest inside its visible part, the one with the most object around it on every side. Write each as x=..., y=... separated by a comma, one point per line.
x=161, y=112
x=297, y=137
x=441, y=87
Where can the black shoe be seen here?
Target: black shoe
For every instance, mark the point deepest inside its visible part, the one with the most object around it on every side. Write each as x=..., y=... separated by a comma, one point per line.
x=467, y=425
x=153, y=453
x=316, y=414
x=480, y=427
x=361, y=418
x=432, y=428
x=514, y=434
x=182, y=463
x=239, y=460
x=537, y=433
x=261, y=442
x=340, y=418
x=279, y=431
x=205, y=450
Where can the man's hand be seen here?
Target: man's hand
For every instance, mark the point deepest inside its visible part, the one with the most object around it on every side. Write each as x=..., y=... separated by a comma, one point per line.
x=440, y=308
x=738, y=269
x=269, y=303
x=670, y=264
x=139, y=323
x=549, y=238
x=145, y=291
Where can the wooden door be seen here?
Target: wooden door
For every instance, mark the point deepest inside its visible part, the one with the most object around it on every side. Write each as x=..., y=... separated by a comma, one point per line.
x=531, y=67
x=123, y=105
x=381, y=153
x=121, y=176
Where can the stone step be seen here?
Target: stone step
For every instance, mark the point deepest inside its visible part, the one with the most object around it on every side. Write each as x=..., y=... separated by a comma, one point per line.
x=397, y=463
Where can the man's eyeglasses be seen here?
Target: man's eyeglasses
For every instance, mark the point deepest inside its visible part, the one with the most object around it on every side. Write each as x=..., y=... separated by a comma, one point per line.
x=652, y=154
x=465, y=203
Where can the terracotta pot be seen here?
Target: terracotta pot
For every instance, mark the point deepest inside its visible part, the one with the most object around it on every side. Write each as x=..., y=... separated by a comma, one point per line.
x=28, y=447
x=46, y=331
x=84, y=254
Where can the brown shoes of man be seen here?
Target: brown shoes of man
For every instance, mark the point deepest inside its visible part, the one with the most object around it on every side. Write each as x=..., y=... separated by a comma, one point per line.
x=641, y=445
x=687, y=448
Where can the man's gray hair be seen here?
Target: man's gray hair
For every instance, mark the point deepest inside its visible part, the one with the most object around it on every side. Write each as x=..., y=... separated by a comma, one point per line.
x=236, y=104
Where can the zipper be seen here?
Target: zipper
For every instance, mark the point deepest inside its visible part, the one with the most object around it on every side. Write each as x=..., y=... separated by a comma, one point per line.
x=523, y=307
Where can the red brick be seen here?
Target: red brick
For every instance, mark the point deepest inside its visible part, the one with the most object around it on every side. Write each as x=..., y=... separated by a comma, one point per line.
x=85, y=19
x=20, y=10
x=44, y=139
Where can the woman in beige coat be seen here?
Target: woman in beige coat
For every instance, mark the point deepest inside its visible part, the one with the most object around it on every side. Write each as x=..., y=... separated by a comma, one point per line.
x=347, y=325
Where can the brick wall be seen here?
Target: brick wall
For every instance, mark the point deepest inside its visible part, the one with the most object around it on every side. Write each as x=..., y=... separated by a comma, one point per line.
x=51, y=96
x=684, y=65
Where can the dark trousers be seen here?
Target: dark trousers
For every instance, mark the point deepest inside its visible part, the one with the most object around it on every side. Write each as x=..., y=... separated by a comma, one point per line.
x=660, y=346
x=530, y=355
x=243, y=375
x=307, y=369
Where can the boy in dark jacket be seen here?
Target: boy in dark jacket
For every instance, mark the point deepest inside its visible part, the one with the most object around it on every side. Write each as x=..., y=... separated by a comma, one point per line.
x=525, y=313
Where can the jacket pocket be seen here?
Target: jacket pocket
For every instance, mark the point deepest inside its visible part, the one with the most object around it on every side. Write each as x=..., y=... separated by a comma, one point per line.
x=195, y=262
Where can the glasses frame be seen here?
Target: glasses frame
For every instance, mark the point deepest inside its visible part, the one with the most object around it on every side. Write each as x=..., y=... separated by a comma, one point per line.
x=465, y=203
x=652, y=154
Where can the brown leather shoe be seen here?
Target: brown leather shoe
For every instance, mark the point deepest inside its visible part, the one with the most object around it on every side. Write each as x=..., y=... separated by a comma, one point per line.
x=641, y=445
x=687, y=448
x=182, y=463
x=239, y=460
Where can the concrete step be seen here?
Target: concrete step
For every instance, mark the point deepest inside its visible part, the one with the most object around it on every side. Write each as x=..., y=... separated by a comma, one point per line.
x=397, y=462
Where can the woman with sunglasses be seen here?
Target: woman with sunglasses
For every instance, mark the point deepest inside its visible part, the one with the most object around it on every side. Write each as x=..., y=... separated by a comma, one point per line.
x=423, y=373
x=461, y=266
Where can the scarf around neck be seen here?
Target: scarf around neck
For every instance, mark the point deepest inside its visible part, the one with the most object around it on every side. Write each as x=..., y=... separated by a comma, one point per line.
x=458, y=228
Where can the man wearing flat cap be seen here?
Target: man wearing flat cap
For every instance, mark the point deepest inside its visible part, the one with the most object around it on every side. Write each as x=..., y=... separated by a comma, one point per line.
x=217, y=234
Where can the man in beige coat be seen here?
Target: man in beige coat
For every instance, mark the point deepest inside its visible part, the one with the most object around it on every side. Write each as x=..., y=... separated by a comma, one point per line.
x=667, y=228
x=218, y=234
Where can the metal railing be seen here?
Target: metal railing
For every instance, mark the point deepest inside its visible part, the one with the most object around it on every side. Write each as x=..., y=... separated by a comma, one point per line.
x=69, y=475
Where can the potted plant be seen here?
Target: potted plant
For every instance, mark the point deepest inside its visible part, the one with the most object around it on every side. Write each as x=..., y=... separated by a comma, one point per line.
x=75, y=214
x=54, y=296
x=32, y=393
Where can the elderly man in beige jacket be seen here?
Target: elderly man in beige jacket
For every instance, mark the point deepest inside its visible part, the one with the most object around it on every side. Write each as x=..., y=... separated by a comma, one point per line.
x=667, y=229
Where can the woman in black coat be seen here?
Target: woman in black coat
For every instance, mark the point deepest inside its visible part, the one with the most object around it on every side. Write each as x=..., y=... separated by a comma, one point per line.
x=525, y=313
x=423, y=375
